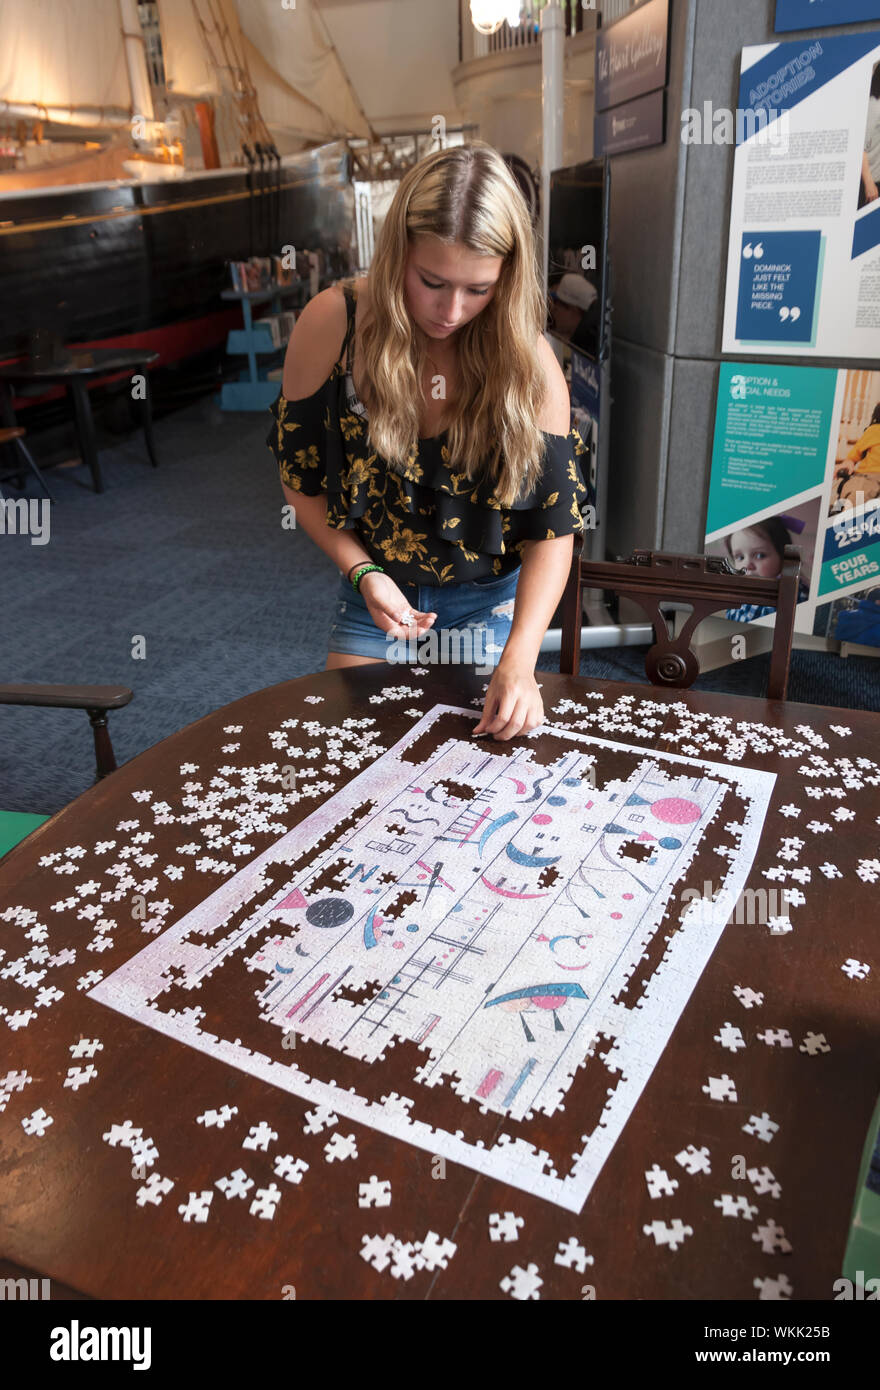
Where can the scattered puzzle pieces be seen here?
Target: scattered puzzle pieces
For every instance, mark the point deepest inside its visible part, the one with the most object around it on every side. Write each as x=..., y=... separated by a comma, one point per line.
x=374, y=1193
x=776, y=1037
x=341, y=1146
x=197, y=1206
x=238, y=1184
x=730, y=1037
x=776, y=1289
x=220, y=1117
x=772, y=1239
x=259, y=1137
x=504, y=1227
x=764, y=1182
x=814, y=1043
x=321, y=1118
x=659, y=1182
x=522, y=1284
x=80, y=1076
x=37, y=1123
x=153, y=1190
x=572, y=1255
x=86, y=1047
x=749, y=998
x=720, y=1088
x=289, y=1168
x=694, y=1160
x=761, y=1126
x=856, y=969
x=265, y=1202
x=735, y=1206
x=672, y=1235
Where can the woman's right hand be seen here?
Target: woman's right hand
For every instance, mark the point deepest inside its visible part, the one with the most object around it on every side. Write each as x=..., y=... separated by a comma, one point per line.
x=387, y=605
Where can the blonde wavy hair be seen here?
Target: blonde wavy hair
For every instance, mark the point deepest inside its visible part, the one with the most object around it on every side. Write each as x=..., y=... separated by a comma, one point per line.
x=462, y=194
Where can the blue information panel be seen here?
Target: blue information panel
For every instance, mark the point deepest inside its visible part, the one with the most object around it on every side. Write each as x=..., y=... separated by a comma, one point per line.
x=778, y=280
x=818, y=14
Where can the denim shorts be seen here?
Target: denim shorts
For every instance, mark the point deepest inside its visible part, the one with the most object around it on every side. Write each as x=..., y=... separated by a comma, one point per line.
x=472, y=625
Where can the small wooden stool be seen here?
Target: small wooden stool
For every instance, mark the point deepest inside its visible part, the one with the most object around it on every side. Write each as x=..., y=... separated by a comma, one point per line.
x=14, y=435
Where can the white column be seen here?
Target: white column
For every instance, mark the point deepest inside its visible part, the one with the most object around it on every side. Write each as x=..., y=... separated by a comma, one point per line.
x=136, y=60
x=552, y=109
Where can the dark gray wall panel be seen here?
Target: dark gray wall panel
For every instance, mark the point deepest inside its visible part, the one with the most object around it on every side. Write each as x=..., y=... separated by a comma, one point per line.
x=641, y=382
x=692, y=418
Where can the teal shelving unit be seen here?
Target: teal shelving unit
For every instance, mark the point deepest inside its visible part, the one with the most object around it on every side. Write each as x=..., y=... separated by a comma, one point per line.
x=252, y=391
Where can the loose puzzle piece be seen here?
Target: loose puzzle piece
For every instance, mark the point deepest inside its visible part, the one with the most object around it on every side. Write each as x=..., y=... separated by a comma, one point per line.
x=730, y=1037
x=220, y=1117
x=856, y=969
x=124, y=1134
x=341, y=1146
x=289, y=1168
x=522, y=1284
x=259, y=1137
x=664, y=1234
x=37, y=1123
x=763, y=1182
x=265, y=1202
x=434, y=1253
x=506, y=1227
x=694, y=1160
x=814, y=1043
x=659, y=1182
x=86, y=1047
x=735, y=1206
x=238, y=1184
x=772, y=1239
x=776, y=1037
x=153, y=1190
x=776, y=1289
x=374, y=1193
x=376, y=1250
x=143, y=1152
x=572, y=1255
x=749, y=998
x=720, y=1088
x=196, y=1206
x=80, y=1076
x=321, y=1118
x=404, y=1259
x=761, y=1126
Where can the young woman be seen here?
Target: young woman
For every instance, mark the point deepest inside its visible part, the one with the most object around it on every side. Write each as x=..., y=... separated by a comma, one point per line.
x=423, y=433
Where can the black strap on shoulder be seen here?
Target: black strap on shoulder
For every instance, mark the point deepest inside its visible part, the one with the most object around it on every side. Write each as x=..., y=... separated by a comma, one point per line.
x=348, y=341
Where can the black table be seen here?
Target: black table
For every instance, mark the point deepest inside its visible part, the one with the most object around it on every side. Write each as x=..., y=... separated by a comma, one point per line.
x=74, y=372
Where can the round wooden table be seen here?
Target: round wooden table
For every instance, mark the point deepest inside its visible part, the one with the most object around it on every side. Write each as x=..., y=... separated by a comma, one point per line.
x=86, y=1204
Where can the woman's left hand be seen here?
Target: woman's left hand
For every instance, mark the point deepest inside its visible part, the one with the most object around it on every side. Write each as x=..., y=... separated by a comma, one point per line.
x=513, y=703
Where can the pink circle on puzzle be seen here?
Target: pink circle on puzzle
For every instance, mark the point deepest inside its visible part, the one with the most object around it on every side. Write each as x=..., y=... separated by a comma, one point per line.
x=542, y=820
x=674, y=810
x=616, y=916
x=398, y=945
x=627, y=896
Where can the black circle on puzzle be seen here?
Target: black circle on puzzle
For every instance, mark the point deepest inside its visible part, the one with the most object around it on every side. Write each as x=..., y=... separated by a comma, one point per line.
x=329, y=912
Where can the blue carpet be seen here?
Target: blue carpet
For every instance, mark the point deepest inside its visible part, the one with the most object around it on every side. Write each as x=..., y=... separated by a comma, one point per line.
x=193, y=558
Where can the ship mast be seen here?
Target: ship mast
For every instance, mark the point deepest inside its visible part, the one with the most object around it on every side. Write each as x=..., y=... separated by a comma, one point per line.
x=135, y=61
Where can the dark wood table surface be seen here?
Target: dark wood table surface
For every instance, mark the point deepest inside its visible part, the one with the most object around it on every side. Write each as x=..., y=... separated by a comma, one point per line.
x=68, y=1208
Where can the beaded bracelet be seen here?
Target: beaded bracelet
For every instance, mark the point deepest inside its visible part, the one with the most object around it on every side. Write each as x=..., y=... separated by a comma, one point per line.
x=365, y=569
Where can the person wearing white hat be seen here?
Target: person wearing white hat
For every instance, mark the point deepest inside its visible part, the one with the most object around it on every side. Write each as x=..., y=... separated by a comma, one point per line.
x=574, y=311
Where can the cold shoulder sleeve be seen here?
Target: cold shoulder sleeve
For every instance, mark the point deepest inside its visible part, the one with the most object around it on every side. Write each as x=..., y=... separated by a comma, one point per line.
x=556, y=506
x=298, y=439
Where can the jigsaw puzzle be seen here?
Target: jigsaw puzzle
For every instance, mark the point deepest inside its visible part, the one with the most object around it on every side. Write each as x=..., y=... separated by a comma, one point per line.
x=477, y=928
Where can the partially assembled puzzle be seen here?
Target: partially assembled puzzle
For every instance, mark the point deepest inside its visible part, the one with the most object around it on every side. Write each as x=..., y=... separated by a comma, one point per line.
x=470, y=949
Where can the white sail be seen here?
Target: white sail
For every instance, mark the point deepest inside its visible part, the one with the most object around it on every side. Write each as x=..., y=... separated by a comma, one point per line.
x=64, y=55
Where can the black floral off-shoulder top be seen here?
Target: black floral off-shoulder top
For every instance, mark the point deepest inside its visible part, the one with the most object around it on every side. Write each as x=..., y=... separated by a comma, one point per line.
x=430, y=525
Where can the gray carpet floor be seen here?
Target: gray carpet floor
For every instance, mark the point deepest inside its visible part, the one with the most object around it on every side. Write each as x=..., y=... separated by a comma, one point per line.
x=192, y=558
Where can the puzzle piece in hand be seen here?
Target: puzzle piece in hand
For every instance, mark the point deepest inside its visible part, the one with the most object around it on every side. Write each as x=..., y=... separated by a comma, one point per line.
x=238, y=1184
x=86, y=1047
x=265, y=1202
x=814, y=1043
x=659, y=1182
x=522, y=1284
x=80, y=1076
x=259, y=1137
x=720, y=1088
x=772, y=1239
x=340, y=1146
x=748, y=997
x=694, y=1160
x=776, y=1289
x=763, y=1182
x=153, y=1190
x=290, y=1168
x=124, y=1134
x=506, y=1227
x=774, y=1037
x=735, y=1206
x=220, y=1117
x=374, y=1193
x=572, y=1255
x=730, y=1037
x=856, y=969
x=37, y=1123
x=761, y=1126
x=321, y=1118
x=196, y=1207
x=673, y=1235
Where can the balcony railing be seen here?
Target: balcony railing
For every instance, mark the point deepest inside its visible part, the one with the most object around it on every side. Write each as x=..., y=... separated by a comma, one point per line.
x=526, y=34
